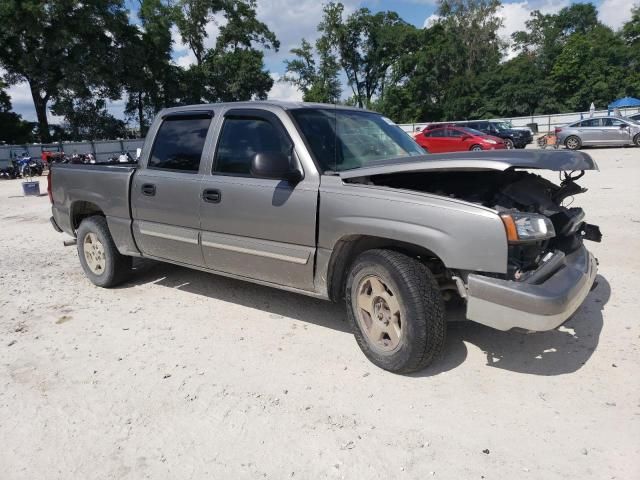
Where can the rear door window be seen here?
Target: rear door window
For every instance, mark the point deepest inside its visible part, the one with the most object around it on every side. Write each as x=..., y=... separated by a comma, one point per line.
x=592, y=122
x=454, y=132
x=179, y=143
x=437, y=132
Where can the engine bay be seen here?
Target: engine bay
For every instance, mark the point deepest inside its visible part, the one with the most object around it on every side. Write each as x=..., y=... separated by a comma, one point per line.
x=507, y=192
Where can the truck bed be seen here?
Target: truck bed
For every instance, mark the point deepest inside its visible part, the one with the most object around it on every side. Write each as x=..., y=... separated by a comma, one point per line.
x=76, y=190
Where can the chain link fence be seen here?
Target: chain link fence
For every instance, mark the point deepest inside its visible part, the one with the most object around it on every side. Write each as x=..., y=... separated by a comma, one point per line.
x=545, y=123
x=102, y=150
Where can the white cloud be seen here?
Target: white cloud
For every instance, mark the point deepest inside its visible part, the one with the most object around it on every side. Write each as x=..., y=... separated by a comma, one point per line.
x=515, y=15
x=283, y=91
x=292, y=20
x=182, y=54
x=615, y=13
x=430, y=20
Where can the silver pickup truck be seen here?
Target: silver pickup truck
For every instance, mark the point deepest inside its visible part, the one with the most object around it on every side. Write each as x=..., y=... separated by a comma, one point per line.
x=339, y=203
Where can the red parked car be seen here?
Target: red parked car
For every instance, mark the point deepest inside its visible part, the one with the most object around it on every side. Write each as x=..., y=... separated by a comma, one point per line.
x=456, y=139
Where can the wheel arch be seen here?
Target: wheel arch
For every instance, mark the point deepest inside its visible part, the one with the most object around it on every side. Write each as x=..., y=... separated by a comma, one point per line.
x=347, y=249
x=82, y=209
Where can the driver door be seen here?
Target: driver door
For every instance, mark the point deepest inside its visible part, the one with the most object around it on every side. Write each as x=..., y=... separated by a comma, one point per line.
x=259, y=228
x=615, y=132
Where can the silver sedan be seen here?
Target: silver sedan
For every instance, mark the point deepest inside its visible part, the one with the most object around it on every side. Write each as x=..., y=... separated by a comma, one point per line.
x=602, y=131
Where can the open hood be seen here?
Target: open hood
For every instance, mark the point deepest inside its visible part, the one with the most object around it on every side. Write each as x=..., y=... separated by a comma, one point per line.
x=500, y=160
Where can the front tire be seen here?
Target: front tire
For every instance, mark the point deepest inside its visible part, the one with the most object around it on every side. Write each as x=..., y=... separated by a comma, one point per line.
x=476, y=148
x=99, y=257
x=395, y=310
x=572, y=143
x=509, y=143
x=636, y=140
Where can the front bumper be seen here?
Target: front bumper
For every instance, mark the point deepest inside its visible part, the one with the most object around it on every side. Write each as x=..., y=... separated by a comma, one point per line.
x=521, y=142
x=542, y=302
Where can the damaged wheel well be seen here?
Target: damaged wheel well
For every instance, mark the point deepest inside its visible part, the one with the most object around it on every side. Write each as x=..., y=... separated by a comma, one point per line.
x=348, y=248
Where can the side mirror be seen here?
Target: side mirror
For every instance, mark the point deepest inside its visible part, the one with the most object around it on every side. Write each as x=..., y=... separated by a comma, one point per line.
x=466, y=137
x=274, y=165
x=624, y=125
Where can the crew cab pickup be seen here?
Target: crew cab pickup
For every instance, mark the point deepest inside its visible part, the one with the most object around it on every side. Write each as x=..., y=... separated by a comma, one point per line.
x=339, y=203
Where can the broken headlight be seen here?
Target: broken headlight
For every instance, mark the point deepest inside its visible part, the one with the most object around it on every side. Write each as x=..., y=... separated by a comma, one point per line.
x=527, y=227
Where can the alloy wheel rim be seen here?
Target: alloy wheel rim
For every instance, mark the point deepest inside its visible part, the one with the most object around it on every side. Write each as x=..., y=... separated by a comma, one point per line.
x=94, y=253
x=572, y=143
x=379, y=314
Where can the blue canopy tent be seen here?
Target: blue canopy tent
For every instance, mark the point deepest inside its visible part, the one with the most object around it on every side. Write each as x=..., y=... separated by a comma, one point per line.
x=626, y=102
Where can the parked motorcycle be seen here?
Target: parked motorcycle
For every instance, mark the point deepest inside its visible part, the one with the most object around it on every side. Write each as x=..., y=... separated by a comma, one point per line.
x=29, y=166
x=8, y=170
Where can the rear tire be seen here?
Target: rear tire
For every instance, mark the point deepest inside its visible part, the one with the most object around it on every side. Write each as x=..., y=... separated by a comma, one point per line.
x=99, y=257
x=395, y=310
x=572, y=142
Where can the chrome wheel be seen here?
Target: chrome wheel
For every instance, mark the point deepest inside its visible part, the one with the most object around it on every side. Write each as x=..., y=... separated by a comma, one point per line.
x=476, y=148
x=509, y=143
x=94, y=253
x=378, y=313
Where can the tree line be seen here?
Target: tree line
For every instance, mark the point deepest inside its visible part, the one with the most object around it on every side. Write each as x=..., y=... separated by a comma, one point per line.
x=78, y=56
x=458, y=66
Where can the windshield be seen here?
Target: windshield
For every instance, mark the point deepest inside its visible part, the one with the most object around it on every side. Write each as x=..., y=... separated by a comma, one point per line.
x=473, y=131
x=502, y=125
x=347, y=139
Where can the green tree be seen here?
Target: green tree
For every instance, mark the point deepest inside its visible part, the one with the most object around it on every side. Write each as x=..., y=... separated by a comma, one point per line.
x=367, y=46
x=13, y=129
x=63, y=45
x=234, y=68
x=631, y=37
x=151, y=79
x=88, y=119
x=590, y=68
x=318, y=81
x=443, y=76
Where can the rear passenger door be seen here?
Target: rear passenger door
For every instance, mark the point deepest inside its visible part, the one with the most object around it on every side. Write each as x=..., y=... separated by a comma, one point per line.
x=590, y=132
x=264, y=229
x=165, y=195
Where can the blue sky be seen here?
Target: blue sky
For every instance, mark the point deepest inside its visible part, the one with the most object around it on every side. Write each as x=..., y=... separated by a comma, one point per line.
x=292, y=20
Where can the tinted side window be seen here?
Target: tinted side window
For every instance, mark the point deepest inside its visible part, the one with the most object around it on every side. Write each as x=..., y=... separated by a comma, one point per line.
x=438, y=132
x=592, y=122
x=612, y=122
x=179, y=143
x=241, y=138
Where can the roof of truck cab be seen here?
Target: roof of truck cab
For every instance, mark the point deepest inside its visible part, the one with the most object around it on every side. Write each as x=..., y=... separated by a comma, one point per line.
x=263, y=103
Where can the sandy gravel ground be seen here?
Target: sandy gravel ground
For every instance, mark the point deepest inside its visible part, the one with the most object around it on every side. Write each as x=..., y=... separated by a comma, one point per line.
x=179, y=374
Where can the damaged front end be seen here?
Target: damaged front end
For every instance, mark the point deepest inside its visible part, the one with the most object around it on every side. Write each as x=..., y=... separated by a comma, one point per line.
x=538, y=222
x=548, y=271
